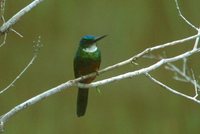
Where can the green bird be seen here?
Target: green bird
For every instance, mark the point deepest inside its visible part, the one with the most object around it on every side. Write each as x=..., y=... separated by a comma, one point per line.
x=87, y=60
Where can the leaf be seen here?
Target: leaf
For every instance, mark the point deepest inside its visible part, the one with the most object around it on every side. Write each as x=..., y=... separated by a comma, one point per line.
x=98, y=90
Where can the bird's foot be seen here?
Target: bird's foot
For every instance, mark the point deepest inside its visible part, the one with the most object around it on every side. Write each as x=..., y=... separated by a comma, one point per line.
x=97, y=72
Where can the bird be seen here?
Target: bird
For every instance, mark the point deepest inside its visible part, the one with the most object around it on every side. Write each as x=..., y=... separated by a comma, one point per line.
x=87, y=60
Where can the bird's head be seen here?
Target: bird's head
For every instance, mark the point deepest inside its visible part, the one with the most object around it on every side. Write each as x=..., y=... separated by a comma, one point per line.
x=89, y=40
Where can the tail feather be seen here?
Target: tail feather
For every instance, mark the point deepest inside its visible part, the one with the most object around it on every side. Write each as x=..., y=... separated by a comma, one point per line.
x=82, y=100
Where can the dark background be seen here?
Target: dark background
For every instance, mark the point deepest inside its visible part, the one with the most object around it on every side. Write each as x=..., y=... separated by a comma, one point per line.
x=129, y=106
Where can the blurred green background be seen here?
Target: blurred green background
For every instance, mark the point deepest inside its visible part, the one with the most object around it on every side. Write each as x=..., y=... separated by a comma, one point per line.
x=131, y=106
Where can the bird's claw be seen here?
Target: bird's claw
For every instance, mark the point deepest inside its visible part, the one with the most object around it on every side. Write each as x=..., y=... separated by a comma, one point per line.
x=97, y=73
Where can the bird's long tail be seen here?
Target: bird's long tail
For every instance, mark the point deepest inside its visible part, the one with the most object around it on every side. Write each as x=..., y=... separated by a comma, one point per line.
x=82, y=100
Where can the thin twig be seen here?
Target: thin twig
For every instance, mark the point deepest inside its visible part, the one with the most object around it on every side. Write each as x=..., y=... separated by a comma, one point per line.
x=182, y=74
x=179, y=79
x=172, y=90
x=20, y=74
x=197, y=41
x=195, y=85
x=4, y=40
x=3, y=4
x=184, y=66
x=1, y=126
x=180, y=14
x=17, y=33
x=36, y=48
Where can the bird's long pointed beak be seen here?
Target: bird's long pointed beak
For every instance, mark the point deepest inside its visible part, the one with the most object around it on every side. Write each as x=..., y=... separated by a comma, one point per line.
x=99, y=38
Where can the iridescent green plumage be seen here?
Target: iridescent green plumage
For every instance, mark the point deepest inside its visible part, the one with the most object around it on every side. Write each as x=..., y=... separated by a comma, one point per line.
x=86, y=61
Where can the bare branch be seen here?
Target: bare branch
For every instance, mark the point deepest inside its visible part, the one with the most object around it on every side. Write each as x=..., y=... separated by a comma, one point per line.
x=172, y=90
x=183, y=72
x=7, y=25
x=197, y=41
x=185, y=66
x=180, y=14
x=184, y=75
x=179, y=79
x=37, y=46
x=3, y=4
x=148, y=50
x=4, y=40
x=1, y=126
x=195, y=85
x=19, y=76
x=74, y=82
x=140, y=71
x=13, y=30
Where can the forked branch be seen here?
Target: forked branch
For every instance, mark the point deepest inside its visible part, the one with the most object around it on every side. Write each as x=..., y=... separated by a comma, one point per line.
x=143, y=71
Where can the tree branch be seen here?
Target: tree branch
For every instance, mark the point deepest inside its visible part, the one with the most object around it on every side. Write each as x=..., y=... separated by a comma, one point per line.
x=193, y=98
x=182, y=74
x=20, y=74
x=36, y=48
x=148, y=50
x=180, y=14
x=74, y=82
x=197, y=41
x=7, y=25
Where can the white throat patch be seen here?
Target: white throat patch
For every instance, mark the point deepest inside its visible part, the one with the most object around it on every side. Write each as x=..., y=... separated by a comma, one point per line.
x=90, y=49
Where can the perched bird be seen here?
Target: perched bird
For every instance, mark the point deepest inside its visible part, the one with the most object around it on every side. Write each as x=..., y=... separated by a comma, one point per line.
x=87, y=60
